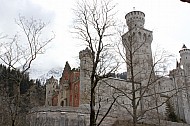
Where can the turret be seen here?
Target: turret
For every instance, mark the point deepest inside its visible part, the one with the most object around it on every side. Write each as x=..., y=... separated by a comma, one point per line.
x=51, y=86
x=85, y=62
x=135, y=19
x=185, y=59
x=85, y=57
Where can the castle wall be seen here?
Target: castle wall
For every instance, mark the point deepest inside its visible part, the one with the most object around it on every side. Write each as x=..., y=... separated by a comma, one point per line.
x=63, y=116
x=71, y=116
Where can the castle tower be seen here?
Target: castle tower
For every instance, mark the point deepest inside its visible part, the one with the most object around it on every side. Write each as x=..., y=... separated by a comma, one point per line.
x=85, y=73
x=137, y=42
x=185, y=64
x=177, y=76
x=51, y=91
x=185, y=61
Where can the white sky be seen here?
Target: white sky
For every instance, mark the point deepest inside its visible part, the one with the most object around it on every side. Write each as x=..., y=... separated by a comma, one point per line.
x=168, y=19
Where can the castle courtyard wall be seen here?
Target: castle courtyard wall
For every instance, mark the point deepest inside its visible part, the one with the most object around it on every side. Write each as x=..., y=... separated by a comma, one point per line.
x=76, y=116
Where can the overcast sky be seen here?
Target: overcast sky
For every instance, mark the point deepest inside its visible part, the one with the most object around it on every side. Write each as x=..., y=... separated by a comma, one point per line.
x=168, y=19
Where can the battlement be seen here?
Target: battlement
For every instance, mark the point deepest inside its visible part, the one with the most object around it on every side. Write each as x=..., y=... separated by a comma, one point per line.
x=85, y=53
x=51, y=80
x=182, y=51
x=176, y=72
x=75, y=70
x=135, y=19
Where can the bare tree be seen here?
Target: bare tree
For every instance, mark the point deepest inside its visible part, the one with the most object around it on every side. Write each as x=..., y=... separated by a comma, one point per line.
x=94, y=25
x=19, y=52
x=145, y=72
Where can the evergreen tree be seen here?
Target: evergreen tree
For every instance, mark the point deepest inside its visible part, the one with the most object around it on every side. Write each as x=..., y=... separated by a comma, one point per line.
x=171, y=116
x=9, y=79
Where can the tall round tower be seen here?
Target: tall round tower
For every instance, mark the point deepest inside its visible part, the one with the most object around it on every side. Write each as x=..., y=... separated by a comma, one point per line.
x=137, y=42
x=85, y=73
x=185, y=59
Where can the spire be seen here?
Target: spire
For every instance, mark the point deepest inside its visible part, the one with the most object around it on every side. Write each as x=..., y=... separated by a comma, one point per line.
x=67, y=66
x=177, y=64
x=184, y=47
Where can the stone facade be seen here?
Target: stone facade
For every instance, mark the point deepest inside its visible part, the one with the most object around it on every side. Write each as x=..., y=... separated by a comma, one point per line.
x=63, y=116
x=180, y=78
x=51, y=92
x=85, y=72
x=137, y=42
x=76, y=116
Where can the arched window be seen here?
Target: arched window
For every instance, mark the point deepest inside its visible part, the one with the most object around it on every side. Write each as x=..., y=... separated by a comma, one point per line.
x=139, y=34
x=76, y=88
x=62, y=103
x=144, y=36
x=133, y=34
x=129, y=38
x=85, y=61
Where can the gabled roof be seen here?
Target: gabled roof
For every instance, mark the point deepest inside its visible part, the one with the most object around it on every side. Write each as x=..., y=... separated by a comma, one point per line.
x=67, y=66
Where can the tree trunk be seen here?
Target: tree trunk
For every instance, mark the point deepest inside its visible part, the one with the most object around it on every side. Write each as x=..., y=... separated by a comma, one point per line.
x=134, y=113
x=134, y=116
x=13, y=122
x=92, y=108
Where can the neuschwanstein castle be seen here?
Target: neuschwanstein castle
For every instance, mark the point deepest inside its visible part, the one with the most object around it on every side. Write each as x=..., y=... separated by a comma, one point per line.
x=73, y=88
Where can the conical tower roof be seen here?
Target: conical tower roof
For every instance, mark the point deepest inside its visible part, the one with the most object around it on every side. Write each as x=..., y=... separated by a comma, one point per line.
x=184, y=47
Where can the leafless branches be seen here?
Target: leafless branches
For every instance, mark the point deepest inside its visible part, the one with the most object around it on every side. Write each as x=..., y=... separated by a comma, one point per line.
x=22, y=49
x=94, y=25
x=19, y=52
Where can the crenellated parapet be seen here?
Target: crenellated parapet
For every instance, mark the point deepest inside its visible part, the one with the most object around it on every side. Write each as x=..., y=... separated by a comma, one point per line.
x=135, y=18
x=184, y=50
x=85, y=53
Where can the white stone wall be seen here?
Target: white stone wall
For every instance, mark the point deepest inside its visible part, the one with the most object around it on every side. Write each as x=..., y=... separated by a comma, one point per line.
x=85, y=73
x=69, y=116
x=137, y=42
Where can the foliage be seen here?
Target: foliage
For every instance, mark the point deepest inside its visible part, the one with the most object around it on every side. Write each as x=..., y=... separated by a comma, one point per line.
x=171, y=116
